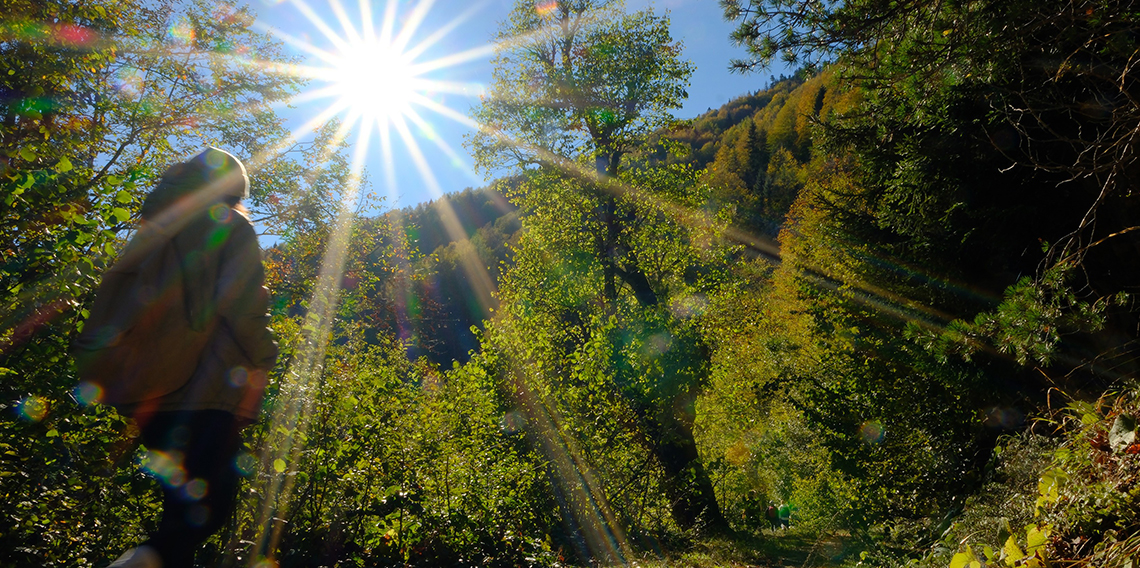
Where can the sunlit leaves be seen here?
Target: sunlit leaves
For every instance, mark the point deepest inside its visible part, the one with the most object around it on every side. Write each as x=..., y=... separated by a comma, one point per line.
x=581, y=80
x=402, y=463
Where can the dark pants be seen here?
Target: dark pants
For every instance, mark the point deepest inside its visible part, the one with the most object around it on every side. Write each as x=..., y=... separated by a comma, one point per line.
x=195, y=463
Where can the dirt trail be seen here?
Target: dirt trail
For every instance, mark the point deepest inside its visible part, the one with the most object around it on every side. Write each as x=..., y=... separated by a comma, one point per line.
x=794, y=551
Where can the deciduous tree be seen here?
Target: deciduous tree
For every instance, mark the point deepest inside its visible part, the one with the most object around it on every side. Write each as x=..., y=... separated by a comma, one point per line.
x=578, y=87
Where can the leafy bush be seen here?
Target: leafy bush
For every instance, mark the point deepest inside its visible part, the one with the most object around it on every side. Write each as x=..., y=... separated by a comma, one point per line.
x=1072, y=500
x=73, y=494
x=398, y=464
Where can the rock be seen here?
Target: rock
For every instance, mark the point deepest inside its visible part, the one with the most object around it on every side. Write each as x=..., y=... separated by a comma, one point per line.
x=1123, y=433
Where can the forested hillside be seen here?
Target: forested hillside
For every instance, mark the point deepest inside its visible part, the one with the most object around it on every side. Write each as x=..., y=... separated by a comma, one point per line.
x=433, y=304
x=880, y=313
x=757, y=185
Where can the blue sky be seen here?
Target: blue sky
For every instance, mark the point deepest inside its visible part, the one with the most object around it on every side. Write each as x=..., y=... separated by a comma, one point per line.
x=697, y=23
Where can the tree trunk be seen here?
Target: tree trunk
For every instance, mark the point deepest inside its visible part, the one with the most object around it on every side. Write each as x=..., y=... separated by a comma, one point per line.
x=687, y=485
x=609, y=242
x=606, y=166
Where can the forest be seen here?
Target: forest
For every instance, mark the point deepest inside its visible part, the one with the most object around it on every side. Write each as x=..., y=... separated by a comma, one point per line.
x=881, y=312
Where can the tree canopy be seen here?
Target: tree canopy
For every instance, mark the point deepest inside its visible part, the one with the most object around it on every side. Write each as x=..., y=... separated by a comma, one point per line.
x=887, y=301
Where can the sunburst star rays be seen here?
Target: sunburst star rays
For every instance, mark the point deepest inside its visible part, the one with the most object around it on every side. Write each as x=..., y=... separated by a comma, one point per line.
x=374, y=79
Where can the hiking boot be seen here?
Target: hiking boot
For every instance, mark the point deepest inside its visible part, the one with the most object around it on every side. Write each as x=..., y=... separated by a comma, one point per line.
x=141, y=557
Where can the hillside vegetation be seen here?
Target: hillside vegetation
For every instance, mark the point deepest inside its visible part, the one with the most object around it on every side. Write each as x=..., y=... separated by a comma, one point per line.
x=889, y=300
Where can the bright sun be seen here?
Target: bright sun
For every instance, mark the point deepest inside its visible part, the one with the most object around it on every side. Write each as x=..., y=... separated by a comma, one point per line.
x=375, y=80
x=382, y=74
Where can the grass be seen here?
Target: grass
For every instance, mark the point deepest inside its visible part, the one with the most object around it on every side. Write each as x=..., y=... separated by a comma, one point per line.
x=785, y=549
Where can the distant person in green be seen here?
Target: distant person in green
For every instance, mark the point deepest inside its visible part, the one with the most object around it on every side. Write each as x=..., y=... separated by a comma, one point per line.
x=193, y=433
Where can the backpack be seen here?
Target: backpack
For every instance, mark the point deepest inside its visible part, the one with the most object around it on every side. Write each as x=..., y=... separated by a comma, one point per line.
x=139, y=342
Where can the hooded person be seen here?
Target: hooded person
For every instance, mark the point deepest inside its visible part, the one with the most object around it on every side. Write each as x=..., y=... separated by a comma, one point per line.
x=192, y=434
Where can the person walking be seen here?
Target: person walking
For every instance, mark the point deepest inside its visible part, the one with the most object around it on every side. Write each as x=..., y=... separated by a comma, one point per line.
x=193, y=433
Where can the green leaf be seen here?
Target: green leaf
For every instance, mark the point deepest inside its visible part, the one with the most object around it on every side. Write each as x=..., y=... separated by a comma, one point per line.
x=123, y=197
x=1049, y=486
x=1035, y=538
x=64, y=165
x=965, y=559
x=27, y=154
x=1011, y=551
x=961, y=559
x=279, y=465
x=121, y=215
x=52, y=433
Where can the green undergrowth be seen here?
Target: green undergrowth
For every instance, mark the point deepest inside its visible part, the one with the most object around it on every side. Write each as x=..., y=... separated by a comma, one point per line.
x=798, y=548
x=1068, y=498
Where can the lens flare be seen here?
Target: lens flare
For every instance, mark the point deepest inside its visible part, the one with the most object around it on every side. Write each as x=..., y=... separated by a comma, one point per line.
x=166, y=467
x=181, y=32
x=33, y=408
x=245, y=464
x=512, y=422
x=1004, y=418
x=74, y=35
x=87, y=393
x=238, y=376
x=872, y=432
x=195, y=489
x=545, y=7
x=198, y=515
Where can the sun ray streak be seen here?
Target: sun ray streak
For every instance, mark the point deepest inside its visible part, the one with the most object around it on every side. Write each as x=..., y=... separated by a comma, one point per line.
x=448, y=112
x=455, y=59
x=318, y=94
x=345, y=22
x=443, y=146
x=317, y=120
x=367, y=29
x=388, y=27
x=477, y=274
x=412, y=24
x=291, y=420
x=583, y=499
x=307, y=47
x=482, y=51
x=388, y=160
x=443, y=31
x=319, y=23
x=877, y=298
x=418, y=158
x=453, y=87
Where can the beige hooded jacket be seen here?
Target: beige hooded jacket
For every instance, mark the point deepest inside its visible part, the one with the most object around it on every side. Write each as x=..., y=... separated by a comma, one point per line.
x=224, y=282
